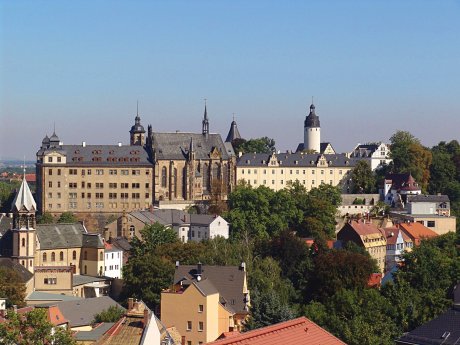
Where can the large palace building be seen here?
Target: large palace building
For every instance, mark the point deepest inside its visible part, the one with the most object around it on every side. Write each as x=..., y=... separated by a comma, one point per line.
x=155, y=167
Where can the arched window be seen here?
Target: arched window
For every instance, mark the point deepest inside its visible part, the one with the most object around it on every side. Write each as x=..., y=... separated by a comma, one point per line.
x=206, y=180
x=85, y=256
x=101, y=256
x=61, y=256
x=44, y=257
x=23, y=242
x=175, y=183
x=163, y=177
x=74, y=255
x=53, y=256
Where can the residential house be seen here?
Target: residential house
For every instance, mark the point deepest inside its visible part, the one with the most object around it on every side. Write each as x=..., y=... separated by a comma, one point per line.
x=357, y=204
x=397, y=187
x=367, y=236
x=375, y=154
x=292, y=332
x=416, y=231
x=397, y=243
x=113, y=261
x=206, y=301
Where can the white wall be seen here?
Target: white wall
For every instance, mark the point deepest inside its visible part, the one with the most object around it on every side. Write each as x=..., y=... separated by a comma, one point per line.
x=113, y=262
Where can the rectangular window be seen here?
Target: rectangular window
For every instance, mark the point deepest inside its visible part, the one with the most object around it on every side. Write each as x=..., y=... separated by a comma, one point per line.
x=83, y=184
x=73, y=185
x=99, y=205
x=88, y=195
x=99, y=172
x=135, y=185
x=59, y=184
x=50, y=171
x=72, y=171
x=72, y=205
x=147, y=185
x=431, y=223
x=99, y=195
x=147, y=195
x=59, y=171
x=312, y=172
x=72, y=195
x=189, y=325
x=99, y=185
x=124, y=185
x=59, y=159
x=136, y=172
x=50, y=184
x=200, y=326
x=322, y=172
x=112, y=172
x=200, y=308
x=125, y=172
x=112, y=185
x=50, y=159
x=59, y=195
x=88, y=172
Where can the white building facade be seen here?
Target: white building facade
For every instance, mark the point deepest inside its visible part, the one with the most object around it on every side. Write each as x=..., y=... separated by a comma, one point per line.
x=375, y=154
x=113, y=261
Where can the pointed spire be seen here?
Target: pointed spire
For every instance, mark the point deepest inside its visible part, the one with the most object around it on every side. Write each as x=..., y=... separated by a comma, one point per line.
x=205, y=127
x=24, y=199
x=192, y=147
x=233, y=133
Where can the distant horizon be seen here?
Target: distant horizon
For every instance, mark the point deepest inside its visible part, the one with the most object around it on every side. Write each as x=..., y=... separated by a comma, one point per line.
x=372, y=67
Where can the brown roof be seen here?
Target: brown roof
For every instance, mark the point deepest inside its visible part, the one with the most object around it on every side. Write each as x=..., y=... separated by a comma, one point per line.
x=392, y=233
x=55, y=316
x=293, y=332
x=364, y=228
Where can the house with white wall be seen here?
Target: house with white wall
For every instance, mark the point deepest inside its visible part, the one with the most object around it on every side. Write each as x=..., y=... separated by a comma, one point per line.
x=375, y=154
x=113, y=261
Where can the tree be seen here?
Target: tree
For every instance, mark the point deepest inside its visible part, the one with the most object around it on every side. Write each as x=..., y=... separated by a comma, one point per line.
x=7, y=194
x=111, y=314
x=32, y=328
x=362, y=177
x=67, y=217
x=153, y=236
x=259, y=145
x=11, y=287
x=45, y=218
x=409, y=156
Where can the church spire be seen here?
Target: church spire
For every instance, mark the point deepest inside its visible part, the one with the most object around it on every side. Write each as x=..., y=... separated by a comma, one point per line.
x=205, y=127
x=24, y=201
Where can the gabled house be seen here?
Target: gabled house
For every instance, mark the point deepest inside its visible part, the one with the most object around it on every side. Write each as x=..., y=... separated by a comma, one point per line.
x=375, y=154
x=365, y=235
x=397, y=187
x=397, y=242
x=416, y=231
x=206, y=301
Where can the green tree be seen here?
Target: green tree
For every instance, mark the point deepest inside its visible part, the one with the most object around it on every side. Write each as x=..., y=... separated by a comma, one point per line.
x=32, y=328
x=111, y=314
x=67, y=217
x=11, y=287
x=7, y=194
x=258, y=145
x=45, y=218
x=153, y=236
x=409, y=156
x=363, y=179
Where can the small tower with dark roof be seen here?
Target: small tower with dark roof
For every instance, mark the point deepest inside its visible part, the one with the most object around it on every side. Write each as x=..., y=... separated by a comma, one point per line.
x=312, y=131
x=137, y=132
x=205, y=122
x=54, y=140
x=233, y=133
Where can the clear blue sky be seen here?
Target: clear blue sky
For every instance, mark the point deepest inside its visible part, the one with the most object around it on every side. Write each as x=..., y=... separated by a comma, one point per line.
x=373, y=67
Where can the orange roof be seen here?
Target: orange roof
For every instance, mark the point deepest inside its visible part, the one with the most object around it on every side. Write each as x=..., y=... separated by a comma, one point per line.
x=392, y=235
x=55, y=316
x=417, y=231
x=375, y=279
x=293, y=332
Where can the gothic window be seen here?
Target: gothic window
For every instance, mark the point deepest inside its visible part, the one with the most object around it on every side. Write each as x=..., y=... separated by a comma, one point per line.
x=206, y=180
x=132, y=230
x=225, y=174
x=53, y=256
x=44, y=257
x=175, y=183
x=23, y=242
x=86, y=269
x=163, y=177
x=61, y=256
x=74, y=255
x=101, y=256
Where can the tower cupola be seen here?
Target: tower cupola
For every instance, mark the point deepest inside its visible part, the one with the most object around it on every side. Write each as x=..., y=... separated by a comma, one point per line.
x=137, y=132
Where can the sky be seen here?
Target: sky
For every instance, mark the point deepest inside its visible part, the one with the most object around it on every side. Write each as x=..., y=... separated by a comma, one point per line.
x=373, y=67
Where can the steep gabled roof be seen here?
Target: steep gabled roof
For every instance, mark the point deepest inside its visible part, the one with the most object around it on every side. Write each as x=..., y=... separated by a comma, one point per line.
x=292, y=332
x=54, y=236
x=24, y=273
x=417, y=231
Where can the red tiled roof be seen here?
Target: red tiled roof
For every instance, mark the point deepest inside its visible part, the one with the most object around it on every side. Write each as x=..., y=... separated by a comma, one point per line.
x=362, y=228
x=55, y=316
x=375, y=280
x=31, y=178
x=392, y=235
x=293, y=332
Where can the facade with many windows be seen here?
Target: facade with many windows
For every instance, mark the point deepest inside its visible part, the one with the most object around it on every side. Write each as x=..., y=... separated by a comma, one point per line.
x=277, y=170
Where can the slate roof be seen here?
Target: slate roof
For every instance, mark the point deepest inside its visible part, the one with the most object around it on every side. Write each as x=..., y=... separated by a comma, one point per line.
x=6, y=223
x=365, y=150
x=290, y=159
x=292, y=332
x=322, y=147
x=428, y=198
x=228, y=280
x=24, y=199
x=21, y=270
x=233, y=133
x=78, y=279
x=62, y=235
x=121, y=242
x=312, y=120
x=95, y=334
x=171, y=217
x=444, y=330
x=44, y=296
x=100, y=155
x=175, y=146
x=81, y=312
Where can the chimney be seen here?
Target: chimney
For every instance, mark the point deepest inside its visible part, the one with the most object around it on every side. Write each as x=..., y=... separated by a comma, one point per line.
x=199, y=268
x=83, y=144
x=177, y=264
x=130, y=303
x=146, y=317
x=240, y=154
x=243, y=266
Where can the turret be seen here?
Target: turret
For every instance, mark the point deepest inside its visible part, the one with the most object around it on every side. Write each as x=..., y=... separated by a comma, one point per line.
x=312, y=131
x=137, y=132
x=205, y=122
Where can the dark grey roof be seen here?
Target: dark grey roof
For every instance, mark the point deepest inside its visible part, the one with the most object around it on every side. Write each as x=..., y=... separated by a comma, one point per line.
x=95, y=334
x=112, y=155
x=82, y=312
x=79, y=279
x=137, y=127
x=322, y=147
x=172, y=217
x=92, y=241
x=233, y=133
x=444, y=330
x=175, y=146
x=428, y=198
x=54, y=236
x=121, y=242
x=293, y=160
x=21, y=270
x=365, y=150
x=312, y=120
x=228, y=280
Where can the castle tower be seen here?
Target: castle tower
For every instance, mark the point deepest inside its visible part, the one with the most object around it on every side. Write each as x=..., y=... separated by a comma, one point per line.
x=23, y=232
x=137, y=132
x=205, y=122
x=312, y=131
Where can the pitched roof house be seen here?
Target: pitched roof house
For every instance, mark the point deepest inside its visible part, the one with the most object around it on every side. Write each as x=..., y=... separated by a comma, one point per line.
x=417, y=232
x=292, y=332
